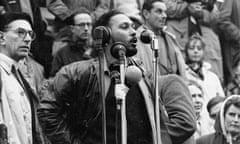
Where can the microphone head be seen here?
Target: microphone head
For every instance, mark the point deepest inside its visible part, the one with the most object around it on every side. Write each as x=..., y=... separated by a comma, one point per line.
x=146, y=36
x=133, y=75
x=101, y=33
x=98, y=32
x=118, y=49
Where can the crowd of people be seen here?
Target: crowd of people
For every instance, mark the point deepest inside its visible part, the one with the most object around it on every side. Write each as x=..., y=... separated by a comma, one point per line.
x=73, y=79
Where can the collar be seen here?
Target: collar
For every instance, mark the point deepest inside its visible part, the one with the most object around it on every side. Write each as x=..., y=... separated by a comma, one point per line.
x=7, y=63
x=105, y=66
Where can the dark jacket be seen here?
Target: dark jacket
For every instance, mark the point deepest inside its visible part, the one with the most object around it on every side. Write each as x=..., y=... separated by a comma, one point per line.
x=71, y=102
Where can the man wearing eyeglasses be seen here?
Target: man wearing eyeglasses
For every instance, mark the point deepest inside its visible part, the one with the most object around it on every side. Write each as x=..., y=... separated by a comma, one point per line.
x=18, y=101
x=78, y=41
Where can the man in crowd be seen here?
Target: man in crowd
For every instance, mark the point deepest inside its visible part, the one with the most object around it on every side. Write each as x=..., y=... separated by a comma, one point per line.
x=18, y=102
x=78, y=37
x=228, y=26
x=71, y=107
x=170, y=57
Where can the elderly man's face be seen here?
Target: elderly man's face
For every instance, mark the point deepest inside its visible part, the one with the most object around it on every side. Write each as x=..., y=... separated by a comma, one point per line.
x=18, y=38
x=197, y=98
x=232, y=120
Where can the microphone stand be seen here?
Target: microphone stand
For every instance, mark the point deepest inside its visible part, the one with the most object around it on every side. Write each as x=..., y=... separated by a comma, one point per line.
x=102, y=86
x=154, y=47
x=123, y=104
x=120, y=94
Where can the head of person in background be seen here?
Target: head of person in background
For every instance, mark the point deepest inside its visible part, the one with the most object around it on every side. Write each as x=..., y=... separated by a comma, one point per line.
x=154, y=14
x=82, y=26
x=230, y=118
x=214, y=106
x=194, y=53
x=197, y=97
x=16, y=35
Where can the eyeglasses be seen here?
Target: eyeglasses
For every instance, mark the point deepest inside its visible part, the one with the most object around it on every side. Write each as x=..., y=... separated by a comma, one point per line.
x=83, y=24
x=22, y=33
x=197, y=95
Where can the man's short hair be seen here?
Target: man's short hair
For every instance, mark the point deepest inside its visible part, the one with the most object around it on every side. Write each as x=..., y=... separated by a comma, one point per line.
x=8, y=17
x=105, y=18
x=148, y=4
x=81, y=10
x=233, y=101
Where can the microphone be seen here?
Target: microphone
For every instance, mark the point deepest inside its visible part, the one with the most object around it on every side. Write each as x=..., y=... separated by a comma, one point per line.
x=133, y=75
x=3, y=134
x=101, y=33
x=98, y=36
x=146, y=36
x=118, y=50
x=98, y=32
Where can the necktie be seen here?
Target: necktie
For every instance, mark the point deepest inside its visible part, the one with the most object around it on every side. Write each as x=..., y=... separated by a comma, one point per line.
x=16, y=73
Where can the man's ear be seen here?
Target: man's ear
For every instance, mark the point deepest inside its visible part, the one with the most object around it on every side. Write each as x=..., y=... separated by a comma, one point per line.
x=145, y=13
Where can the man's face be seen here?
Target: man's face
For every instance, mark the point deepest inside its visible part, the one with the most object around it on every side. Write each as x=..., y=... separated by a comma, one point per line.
x=197, y=98
x=232, y=120
x=122, y=30
x=195, y=51
x=18, y=38
x=156, y=17
x=82, y=26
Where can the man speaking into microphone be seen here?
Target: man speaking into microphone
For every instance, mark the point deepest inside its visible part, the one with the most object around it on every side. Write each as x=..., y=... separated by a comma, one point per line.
x=71, y=109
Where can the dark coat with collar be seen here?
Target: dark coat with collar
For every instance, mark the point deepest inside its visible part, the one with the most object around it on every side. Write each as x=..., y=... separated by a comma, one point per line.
x=70, y=102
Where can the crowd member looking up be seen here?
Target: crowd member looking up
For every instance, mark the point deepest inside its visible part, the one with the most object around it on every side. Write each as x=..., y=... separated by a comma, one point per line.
x=198, y=69
x=227, y=125
x=70, y=111
x=170, y=60
x=78, y=40
x=18, y=101
x=197, y=94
